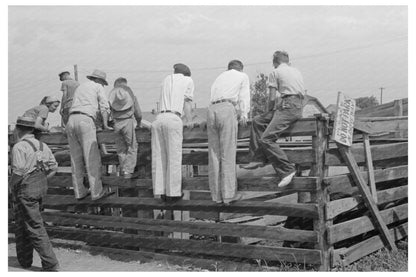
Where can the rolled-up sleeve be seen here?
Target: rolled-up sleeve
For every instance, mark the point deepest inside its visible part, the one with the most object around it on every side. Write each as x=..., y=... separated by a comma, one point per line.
x=50, y=158
x=102, y=100
x=272, y=81
x=18, y=160
x=189, y=94
x=244, y=97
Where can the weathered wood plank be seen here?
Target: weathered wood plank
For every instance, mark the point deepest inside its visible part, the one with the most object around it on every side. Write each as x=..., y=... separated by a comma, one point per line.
x=201, y=183
x=303, y=127
x=254, y=207
x=375, y=125
x=357, y=226
x=379, y=152
x=367, y=197
x=201, y=228
x=191, y=246
x=364, y=248
x=337, y=207
x=370, y=168
x=342, y=183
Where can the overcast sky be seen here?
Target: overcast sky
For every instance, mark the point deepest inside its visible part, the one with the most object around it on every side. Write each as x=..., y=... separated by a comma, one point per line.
x=355, y=50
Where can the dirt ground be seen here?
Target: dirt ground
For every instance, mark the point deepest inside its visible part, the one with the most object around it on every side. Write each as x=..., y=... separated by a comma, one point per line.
x=79, y=260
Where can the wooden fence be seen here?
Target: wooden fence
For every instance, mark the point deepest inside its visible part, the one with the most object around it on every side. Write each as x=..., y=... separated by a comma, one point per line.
x=337, y=227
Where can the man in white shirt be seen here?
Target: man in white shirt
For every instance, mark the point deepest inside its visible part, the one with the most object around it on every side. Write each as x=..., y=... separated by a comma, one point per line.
x=230, y=102
x=283, y=112
x=89, y=100
x=167, y=133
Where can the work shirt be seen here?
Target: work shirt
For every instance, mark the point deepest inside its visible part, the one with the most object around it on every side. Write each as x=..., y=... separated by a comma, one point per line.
x=176, y=89
x=39, y=111
x=68, y=89
x=233, y=85
x=287, y=80
x=24, y=159
x=90, y=98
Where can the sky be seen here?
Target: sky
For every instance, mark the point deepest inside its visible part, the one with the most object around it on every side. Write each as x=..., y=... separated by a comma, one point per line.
x=353, y=49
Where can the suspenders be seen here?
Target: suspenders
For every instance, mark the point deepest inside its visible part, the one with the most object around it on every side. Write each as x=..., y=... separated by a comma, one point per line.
x=39, y=163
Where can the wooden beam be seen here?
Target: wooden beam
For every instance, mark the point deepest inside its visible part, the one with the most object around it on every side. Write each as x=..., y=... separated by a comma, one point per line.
x=379, y=152
x=357, y=251
x=201, y=183
x=363, y=224
x=342, y=183
x=337, y=207
x=201, y=228
x=370, y=168
x=368, y=200
x=254, y=207
x=190, y=246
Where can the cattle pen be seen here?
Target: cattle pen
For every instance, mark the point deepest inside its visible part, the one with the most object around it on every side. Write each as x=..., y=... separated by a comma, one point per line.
x=336, y=226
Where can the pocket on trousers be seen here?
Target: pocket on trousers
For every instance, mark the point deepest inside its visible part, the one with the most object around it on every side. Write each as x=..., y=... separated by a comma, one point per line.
x=34, y=186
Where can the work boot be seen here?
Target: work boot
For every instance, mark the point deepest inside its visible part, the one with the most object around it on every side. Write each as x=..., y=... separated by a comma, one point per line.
x=253, y=165
x=238, y=196
x=286, y=180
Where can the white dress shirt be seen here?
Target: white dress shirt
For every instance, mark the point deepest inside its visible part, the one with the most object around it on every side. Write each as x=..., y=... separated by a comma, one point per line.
x=176, y=89
x=235, y=86
x=287, y=80
x=89, y=98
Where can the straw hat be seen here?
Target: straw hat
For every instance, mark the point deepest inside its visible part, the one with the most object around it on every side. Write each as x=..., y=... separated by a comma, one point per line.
x=98, y=74
x=25, y=121
x=52, y=99
x=120, y=99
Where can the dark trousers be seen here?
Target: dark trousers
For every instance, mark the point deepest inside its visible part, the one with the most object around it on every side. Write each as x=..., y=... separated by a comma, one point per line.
x=268, y=127
x=30, y=231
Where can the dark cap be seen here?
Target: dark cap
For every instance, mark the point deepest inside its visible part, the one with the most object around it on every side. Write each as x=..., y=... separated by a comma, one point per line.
x=182, y=68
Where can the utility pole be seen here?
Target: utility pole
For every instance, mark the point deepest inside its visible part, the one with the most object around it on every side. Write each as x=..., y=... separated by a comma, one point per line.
x=381, y=95
x=76, y=72
x=157, y=107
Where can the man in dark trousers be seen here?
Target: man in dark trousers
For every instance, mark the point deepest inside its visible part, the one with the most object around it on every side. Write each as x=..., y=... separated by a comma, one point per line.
x=32, y=164
x=283, y=112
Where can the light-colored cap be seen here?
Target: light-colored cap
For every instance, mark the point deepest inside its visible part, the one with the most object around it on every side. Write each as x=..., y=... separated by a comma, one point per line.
x=120, y=99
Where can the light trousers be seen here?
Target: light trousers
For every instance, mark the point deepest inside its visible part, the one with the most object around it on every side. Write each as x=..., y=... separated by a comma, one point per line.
x=84, y=151
x=167, y=136
x=222, y=130
x=126, y=144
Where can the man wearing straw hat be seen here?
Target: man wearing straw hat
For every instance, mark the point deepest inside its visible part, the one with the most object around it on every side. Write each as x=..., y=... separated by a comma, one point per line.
x=89, y=100
x=32, y=165
x=126, y=114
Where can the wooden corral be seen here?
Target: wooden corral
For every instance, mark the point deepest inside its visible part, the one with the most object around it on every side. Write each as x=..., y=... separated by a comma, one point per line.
x=339, y=228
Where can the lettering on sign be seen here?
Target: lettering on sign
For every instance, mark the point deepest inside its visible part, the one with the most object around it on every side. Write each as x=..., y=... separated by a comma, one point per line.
x=344, y=120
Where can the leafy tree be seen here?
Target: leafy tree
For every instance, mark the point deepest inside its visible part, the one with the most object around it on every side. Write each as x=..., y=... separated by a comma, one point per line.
x=366, y=102
x=259, y=95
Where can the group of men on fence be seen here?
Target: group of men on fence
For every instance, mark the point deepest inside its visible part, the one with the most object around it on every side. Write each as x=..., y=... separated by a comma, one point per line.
x=81, y=106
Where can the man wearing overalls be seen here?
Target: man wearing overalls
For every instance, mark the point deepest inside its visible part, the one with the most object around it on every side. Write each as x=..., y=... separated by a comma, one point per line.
x=32, y=164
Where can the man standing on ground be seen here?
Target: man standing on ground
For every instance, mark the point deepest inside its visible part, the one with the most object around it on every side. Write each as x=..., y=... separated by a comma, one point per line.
x=127, y=115
x=89, y=99
x=68, y=88
x=230, y=91
x=267, y=128
x=167, y=133
x=32, y=164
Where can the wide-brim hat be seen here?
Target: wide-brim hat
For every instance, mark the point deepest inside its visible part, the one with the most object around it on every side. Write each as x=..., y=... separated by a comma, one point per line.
x=120, y=99
x=25, y=121
x=98, y=74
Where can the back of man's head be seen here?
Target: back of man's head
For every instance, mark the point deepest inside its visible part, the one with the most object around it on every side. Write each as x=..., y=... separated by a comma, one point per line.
x=181, y=68
x=120, y=82
x=280, y=57
x=235, y=64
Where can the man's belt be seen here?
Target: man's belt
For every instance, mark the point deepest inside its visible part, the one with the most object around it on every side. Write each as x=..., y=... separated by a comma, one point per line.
x=82, y=113
x=222, y=100
x=292, y=95
x=169, y=111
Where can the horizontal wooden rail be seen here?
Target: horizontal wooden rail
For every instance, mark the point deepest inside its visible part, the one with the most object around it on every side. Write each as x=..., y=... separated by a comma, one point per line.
x=379, y=152
x=375, y=125
x=200, y=228
x=342, y=183
x=252, y=207
x=201, y=183
x=346, y=256
x=190, y=246
x=337, y=207
x=357, y=226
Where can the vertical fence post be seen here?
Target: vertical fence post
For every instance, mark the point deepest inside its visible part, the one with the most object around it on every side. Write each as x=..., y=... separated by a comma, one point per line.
x=321, y=196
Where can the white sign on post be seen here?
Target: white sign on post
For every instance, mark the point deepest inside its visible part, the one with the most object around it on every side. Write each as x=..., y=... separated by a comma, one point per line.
x=344, y=120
